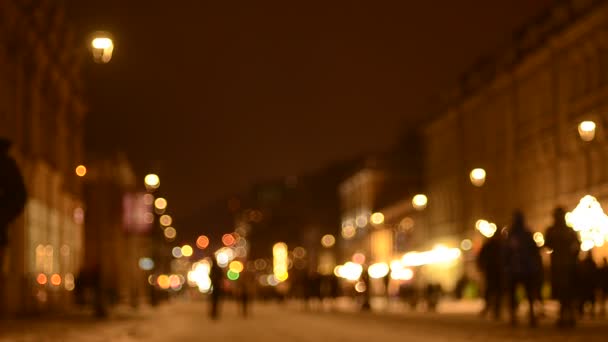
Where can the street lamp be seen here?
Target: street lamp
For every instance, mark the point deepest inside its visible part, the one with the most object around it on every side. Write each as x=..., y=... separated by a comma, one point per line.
x=420, y=201
x=152, y=182
x=101, y=47
x=586, y=131
x=478, y=177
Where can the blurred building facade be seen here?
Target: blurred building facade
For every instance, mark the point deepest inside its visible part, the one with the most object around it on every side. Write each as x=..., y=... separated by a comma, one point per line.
x=517, y=118
x=42, y=112
x=116, y=235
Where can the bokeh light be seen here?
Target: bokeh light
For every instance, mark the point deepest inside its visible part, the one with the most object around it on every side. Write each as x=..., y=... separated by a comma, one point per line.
x=41, y=279
x=152, y=181
x=228, y=240
x=478, y=177
x=166, y=220
x=170, y=233
x=328, y=241
x=232, y=275
x=420, y=201
x=202, y=242
x=378, y=270
x=187, y=250
x=377, y=218
x=81, y=170
x=466, y=245
x=236, y=266
x=299, y=252
x=176, y=252
x=146, y=264
x=163, y=281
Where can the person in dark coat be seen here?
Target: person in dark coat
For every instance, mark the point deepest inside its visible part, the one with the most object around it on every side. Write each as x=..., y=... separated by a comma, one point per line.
x=490, y=263
x=13, y=195
x=565, y=246
x=588, y=281
x=523, y=265
x=216, y=275
x=603, y=285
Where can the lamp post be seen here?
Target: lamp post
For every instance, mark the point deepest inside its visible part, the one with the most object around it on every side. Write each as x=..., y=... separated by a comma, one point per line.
x=586, y=131
x=101, y=46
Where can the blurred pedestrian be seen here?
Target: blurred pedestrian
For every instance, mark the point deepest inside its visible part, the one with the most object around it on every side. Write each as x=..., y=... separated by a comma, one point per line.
x=216, y=275
x=603, y=285
x=490, y=263
x=13, y=197
x=523, y=265
x=564, y=245
x=246, y=286
x=588, y=279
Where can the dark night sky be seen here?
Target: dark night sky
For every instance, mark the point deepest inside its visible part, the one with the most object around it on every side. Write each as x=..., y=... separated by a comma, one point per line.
x=215, y=95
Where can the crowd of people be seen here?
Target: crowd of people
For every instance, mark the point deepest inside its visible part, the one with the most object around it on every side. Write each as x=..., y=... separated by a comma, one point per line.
x=511, y=259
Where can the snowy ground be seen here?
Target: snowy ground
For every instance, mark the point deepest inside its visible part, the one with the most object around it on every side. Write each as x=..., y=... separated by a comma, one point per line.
x=183, y=321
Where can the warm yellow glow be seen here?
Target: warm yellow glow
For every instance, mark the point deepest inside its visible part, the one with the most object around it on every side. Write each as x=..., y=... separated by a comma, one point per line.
x=163, y=281
x=187, y=250
x=170, y=233
x=403, y=273
x=539, y=239
x=81, y=170
x=487, y=229
x=478, y=176
x=377, y=218
x=590, y=221
x=199, y=276
x=438, y=255
x=102, y=47
x=360, y=287
x=377, y=271
x=586, y=130
x=160, y=203
x=69, y=282
x=280, y=261
x=101, y=43
x=348, y=231
x=328, y=240
x=166, y=220
x=152, y=181
x=236, y=266
x=349, y=271
x=466, y=245
x=420, y=201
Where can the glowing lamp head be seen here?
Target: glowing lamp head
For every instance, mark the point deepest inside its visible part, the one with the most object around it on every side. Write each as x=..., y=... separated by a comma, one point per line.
x=102, y=47
x=420, y=202
x=586, y=130
x=81, y=170
x=152, y=181
x=478, y=177
x=377, y=218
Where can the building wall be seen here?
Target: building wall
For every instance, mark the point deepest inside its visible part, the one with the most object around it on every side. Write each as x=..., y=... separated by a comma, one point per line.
x=41, y=112
x=521, y=126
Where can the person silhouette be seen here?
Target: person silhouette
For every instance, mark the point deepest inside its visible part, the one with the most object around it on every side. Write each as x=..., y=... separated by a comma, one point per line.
x=523, y=264
x=216, y=275
x=13, y=195
x=565, y=246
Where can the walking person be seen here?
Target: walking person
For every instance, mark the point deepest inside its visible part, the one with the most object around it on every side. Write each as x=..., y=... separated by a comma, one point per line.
x=588, y=281
x=13, y=197
x=523, y=264
x=603, y=284
x=216, y=275
x=490, y=263
x=565, y=246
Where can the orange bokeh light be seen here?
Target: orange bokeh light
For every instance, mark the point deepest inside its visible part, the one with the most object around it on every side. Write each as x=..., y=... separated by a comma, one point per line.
x=56, y=279
x=228, y=240
x=41, y=279
x=202, y=242
x=81, y=170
